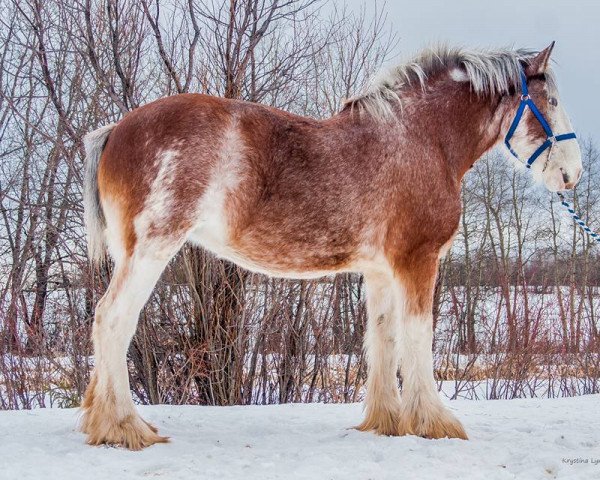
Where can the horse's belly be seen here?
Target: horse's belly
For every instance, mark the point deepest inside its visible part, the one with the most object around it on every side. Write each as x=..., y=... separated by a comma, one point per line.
x=258, y=264
x=298, y=263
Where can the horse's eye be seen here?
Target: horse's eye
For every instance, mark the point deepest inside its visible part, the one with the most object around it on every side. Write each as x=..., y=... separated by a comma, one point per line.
x=553, y=101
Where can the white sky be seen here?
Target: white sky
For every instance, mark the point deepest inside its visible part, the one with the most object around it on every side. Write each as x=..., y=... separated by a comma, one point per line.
x=575, y=25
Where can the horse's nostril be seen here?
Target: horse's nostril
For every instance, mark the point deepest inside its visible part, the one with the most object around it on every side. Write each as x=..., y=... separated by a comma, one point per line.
x=565, y=176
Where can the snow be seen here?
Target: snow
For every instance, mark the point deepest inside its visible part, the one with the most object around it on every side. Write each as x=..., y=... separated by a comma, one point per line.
x=524, y=439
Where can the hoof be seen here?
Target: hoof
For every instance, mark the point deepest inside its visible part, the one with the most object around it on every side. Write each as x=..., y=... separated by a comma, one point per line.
x=437, y=424
x=131, y=432
x=102, y=426
x=382, y=422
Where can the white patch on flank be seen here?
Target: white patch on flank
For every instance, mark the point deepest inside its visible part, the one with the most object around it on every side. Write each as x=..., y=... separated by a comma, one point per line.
x=211, y=226
x=159, y=201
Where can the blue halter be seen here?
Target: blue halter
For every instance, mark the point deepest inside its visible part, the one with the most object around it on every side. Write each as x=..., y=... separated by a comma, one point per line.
x=551, y=139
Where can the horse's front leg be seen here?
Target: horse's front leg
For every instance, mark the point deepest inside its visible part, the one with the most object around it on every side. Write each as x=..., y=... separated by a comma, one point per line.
x=382, y=402
x=422, y=412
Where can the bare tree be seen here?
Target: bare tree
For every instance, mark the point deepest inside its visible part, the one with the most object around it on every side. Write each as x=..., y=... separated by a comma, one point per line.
x=211, y=332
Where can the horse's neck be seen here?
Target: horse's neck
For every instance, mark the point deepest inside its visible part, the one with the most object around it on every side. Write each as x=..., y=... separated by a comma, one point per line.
x=463, y=125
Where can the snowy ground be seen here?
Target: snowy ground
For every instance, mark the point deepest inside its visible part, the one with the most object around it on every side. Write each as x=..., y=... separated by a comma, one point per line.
x=524, y=439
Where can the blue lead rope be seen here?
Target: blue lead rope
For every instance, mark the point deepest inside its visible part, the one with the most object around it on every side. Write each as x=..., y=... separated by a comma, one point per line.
x=578, y=219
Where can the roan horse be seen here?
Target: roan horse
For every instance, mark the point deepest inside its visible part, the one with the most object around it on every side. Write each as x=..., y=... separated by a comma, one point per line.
x=374, y=189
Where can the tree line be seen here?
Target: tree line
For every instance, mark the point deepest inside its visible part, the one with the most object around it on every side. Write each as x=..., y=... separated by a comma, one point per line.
x=213, y=333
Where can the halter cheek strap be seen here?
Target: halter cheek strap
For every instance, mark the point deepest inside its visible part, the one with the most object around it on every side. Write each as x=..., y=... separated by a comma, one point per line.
x=551, y=139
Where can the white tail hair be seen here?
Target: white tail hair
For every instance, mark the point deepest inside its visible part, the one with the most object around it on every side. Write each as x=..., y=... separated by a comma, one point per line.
x=93, y=215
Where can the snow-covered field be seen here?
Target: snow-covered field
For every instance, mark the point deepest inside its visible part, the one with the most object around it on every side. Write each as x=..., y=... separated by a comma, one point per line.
x=523, y=439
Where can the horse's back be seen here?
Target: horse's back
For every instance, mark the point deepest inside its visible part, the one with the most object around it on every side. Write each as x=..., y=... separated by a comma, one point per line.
x=194, y=126
x=220, y=172
x=272, y=191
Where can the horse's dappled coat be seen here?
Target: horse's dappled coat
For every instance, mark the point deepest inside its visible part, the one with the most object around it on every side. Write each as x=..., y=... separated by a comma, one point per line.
x=374, y=189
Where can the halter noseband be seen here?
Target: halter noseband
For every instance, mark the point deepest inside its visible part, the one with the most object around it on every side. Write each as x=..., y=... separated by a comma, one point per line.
x=551, y=139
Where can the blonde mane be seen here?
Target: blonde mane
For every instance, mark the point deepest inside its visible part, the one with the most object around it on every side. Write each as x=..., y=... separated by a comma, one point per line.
x=489, y=72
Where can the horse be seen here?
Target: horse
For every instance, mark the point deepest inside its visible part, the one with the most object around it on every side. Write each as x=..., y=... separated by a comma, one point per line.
x=374, y=189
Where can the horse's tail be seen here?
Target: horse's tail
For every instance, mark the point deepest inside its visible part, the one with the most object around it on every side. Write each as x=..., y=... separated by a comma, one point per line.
x=95, y=221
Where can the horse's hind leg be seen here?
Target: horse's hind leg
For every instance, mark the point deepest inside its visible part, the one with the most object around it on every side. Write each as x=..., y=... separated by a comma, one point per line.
x=109, y=414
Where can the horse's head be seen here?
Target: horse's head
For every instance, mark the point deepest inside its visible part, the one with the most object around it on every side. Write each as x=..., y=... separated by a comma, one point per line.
x=540, y=135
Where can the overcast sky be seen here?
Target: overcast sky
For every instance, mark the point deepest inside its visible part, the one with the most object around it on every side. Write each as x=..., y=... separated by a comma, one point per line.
x=575, y=25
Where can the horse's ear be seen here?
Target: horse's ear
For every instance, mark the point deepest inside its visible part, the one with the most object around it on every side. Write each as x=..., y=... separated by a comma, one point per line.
x=538, y=64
